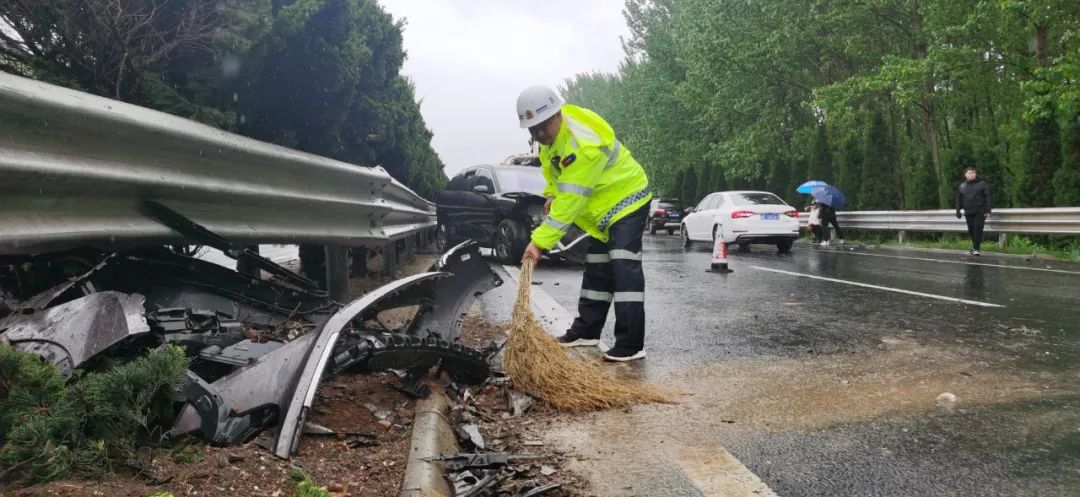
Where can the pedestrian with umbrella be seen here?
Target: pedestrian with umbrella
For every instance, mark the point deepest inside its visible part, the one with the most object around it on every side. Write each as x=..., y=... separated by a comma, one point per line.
x=830, y=199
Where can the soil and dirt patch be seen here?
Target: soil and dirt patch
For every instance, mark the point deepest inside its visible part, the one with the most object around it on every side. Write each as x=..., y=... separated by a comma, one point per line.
x=366, y=457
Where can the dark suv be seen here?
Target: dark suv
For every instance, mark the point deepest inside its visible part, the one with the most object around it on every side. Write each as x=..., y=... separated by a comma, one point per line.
x=665, y=214
x=499, y=206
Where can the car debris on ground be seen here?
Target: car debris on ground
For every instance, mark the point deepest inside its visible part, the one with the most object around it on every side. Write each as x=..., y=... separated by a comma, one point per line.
x=256, y=348
x=509, y=462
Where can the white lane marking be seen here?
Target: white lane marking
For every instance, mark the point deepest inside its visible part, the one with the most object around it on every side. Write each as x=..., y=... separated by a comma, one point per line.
x=554, y=317
x=959, y=262
x=717, y=473
x=886, y=288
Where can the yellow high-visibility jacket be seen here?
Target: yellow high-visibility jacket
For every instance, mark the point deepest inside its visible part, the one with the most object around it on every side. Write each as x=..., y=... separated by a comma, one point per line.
x=592, y=177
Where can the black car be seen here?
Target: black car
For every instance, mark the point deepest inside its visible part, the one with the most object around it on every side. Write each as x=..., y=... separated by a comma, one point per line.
x=498, y=207
x=665, y=214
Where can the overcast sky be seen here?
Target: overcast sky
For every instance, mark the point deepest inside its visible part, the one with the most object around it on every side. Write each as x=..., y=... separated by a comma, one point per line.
x=470, y=58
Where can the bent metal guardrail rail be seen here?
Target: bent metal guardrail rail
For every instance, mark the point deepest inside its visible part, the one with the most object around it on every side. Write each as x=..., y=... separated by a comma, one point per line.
x=75, y=168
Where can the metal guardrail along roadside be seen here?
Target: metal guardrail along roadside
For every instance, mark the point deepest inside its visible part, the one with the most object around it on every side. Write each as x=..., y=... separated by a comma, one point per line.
x=74, y=169
x=1041, y=221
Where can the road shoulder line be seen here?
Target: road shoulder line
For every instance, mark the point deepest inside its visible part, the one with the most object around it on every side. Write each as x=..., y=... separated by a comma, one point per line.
x=553, y=316
x=717, y=473
x=943, y=261
x=877, y=287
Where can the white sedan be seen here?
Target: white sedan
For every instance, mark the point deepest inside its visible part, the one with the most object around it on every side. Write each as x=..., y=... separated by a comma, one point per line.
x=743, y=218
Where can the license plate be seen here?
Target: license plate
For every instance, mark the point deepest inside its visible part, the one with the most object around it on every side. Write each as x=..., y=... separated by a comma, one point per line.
x=673, y=215
x=770, y=217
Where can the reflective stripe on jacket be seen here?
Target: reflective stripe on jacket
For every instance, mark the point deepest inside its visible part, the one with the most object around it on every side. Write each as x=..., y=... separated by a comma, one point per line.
x=592, y=177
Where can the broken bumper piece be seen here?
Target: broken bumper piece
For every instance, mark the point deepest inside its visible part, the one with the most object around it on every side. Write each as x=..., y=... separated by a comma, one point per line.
x=281, y=385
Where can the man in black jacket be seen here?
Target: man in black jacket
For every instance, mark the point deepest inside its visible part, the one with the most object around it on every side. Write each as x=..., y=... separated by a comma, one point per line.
x=973, y=196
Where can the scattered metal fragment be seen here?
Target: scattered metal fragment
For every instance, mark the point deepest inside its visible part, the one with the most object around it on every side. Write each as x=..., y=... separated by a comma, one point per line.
x=412, y=387
x=535, y=491
x=458, y=462
x=519, y=403
x=316, y=429
x=443, y=312
x=547, y=470
x=471, y=432
x=69, y=334
x=464, y=482
x=486, y=483
x=379, y=413
x=358, y=440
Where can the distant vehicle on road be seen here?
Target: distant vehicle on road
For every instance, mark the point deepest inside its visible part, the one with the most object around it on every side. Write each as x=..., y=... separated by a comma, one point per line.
x=665, y=214
x=742, y=218
x=498, y=207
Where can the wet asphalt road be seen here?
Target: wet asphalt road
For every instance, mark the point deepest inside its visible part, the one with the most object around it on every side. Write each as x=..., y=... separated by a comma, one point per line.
x=825, y=388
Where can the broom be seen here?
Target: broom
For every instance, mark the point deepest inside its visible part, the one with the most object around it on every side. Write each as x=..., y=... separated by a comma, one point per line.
x=538, y=364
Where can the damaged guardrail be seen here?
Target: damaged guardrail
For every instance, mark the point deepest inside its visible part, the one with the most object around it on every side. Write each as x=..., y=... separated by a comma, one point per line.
x=75, y=170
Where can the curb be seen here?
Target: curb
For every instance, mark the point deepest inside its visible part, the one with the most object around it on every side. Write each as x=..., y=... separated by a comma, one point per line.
x=888, y=247
x=432, y=436
x=912, y=248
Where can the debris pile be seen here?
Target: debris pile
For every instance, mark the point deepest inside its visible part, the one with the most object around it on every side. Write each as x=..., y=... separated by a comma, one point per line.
x=498, y=457
x=250, y=352
x=541, y=366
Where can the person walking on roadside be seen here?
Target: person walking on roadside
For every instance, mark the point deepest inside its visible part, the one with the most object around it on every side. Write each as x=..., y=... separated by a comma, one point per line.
x=814, y=223
x=973, y=197
x=593, y=182
x=828, y=216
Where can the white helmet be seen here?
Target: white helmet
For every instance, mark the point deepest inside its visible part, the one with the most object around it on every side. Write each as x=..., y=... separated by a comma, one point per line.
x=536, y=104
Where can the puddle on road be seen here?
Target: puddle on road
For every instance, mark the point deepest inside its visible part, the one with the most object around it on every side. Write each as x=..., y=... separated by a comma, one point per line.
x=740, y=400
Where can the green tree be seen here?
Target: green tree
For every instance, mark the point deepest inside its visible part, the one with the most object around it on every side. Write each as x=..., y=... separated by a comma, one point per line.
x=322, y=76
x=705, y=181
x=880, y=166
x=923, y=191
x=849, y=172
x=689, y=191
x=821, y=157
x=678, y=186
x=1067, y=178
x=1042, y=159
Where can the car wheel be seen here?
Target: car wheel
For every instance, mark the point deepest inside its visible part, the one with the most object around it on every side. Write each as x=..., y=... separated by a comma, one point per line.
x=744, y=247
x=510, y=241
x=652, y=229
x=784, y=246
x=685, y=237
x=670, y=231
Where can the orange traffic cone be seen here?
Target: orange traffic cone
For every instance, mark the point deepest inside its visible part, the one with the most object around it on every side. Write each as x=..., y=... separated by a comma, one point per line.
x=719, y=257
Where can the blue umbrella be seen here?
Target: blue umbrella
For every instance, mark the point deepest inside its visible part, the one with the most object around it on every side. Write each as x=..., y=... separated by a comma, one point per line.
x=829, y=195
x=809, y=186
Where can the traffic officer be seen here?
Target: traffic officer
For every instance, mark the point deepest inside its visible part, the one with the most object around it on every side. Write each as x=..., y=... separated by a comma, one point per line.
x=593, y=182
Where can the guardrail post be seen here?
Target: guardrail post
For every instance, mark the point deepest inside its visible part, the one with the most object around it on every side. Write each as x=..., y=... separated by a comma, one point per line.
x=244, y=266
x=337, y=272
x=358, y=267
x=1003, y=240
x=902, y=236
x=410, y=248
x=390, y=259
